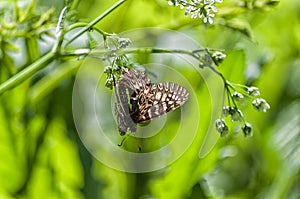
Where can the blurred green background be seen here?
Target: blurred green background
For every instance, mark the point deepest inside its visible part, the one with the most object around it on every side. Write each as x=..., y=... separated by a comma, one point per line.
x=41, y=155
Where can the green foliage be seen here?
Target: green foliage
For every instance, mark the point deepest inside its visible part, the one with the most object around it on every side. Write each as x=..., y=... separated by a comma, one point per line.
x=41, y=154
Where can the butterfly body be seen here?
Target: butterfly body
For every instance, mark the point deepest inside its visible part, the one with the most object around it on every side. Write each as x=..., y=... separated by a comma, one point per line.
x=139, y=101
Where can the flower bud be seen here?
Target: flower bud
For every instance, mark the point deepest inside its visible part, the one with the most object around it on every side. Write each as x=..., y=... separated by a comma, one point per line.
x=225, y=110
x=260, y=104
x=247, y=129
x=253, y=91
x=107, y=69
x=218, y=57
x=237, y=96
x=236, y=114
x=221, y=127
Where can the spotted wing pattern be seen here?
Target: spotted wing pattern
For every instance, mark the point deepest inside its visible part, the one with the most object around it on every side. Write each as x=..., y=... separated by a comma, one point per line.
x=139, y=101
x=157, y=100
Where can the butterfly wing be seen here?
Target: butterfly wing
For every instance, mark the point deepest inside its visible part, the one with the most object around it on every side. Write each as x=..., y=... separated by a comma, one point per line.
x=134, y=81
x=139, y=101
x=126, y=90
x=158, y=99
x=122, y=111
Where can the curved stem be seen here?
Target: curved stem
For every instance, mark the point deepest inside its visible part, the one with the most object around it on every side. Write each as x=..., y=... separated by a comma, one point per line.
x=82, y=24
x=95, y=21
x=74, y=5
x=76, y=25
x=27, y=72
x=220, y=74
x=228, y=93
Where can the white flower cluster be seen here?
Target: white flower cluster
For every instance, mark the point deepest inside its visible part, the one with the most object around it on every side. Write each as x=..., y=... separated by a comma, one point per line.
x=234, y=112
x=205, y=9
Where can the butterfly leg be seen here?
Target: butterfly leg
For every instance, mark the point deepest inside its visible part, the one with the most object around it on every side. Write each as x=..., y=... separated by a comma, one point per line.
x=122, y=141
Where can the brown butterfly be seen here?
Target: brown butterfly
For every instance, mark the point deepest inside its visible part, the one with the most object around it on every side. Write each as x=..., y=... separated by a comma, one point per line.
x=138, y=100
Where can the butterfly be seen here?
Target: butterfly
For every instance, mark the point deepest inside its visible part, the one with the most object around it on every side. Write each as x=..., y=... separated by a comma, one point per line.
x=139, y=101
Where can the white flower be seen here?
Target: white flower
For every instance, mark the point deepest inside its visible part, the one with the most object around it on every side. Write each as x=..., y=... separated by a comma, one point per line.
x=209, y=1
x=194, y=15
x=253, y=91
x=225, y=110
x=221, y=127
x=170, y=3
x=213, y=8
x=237, y=96
x=247, y=129
x=260, y=104
x=236, y=114
x=209, y=18
x=188, y=10
x=198, y=8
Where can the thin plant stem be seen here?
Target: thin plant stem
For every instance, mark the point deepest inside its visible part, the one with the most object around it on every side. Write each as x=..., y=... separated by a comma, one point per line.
x=74, y=5
x=85, y=52
x=95, y=21
x=82, y=24
x=27, y=72
x=50, y=56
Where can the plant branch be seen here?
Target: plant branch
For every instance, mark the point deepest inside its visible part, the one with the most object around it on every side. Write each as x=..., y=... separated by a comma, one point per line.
x=85, y=52
x=82, y=24
x=50, y=56
x=27, y=72
x=95, y=21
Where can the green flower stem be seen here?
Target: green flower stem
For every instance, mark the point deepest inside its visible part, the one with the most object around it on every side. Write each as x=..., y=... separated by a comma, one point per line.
x=230, y=98
x=27, y=72
x=158, y=50
x=220, y=74
x=46, y=59
x=187, y=52
x=82, y=24
x=85, y=52
x=228, y=93
x=95, y=21
x=240, y=88
x=32, y=49
x=75, y=4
